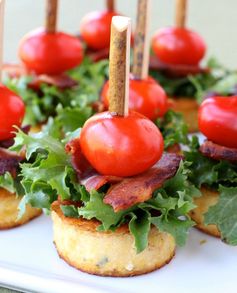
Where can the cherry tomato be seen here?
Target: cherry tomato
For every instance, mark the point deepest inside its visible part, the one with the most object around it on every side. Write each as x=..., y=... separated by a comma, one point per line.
x=12, y=111
x=178, y=46
x=217, y=119
x=121, y=146
x=95, y=29
x=145, y=96
x=50, y=53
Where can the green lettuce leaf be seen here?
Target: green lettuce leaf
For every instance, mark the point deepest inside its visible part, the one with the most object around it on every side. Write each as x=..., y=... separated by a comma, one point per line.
x=7, y=182
x=224, y=214
x=173, y=129
x=218, y=79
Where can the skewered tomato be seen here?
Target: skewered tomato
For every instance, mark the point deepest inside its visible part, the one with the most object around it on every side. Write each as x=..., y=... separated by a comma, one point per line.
x=146, y=96
x=12, y=110
x=95, y=29
x=217, y=119
x=50, y=53
x=121, y=146
x=178, y=46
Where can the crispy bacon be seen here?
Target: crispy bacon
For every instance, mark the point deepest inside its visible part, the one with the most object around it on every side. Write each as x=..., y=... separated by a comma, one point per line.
x=9, y=162
x=87, y=175
x=61, y=81
x=139, y=188
x=125, y=192
x=217, y=152
x=175, y=70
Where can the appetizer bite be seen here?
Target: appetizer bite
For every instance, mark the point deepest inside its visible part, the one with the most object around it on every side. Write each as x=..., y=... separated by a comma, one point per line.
x=53, y=81
x=119, y=204
x=146, y=96
x=176, y=65
x=214, y=168
x=12, y=111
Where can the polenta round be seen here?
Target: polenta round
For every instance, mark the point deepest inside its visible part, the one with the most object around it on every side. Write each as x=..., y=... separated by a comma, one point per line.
x=9, y=211
x=203, y=203
x=108, y=253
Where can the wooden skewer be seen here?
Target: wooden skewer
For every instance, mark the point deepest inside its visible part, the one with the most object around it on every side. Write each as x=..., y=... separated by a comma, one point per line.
x=141, y=44
x=119, y=63
x=2, y=5
x=180, y=13
x=51, y=16
x=110, y=5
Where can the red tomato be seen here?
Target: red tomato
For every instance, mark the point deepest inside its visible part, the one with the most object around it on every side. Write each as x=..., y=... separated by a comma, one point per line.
x=178, y=46
x=12, y=111
x=121, y=146
x=50, y=53
x=217, y=119
x=95, y=29
x=145, y=96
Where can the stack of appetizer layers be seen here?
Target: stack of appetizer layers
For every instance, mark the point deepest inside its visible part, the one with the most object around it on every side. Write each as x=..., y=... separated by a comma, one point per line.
x=105, y=156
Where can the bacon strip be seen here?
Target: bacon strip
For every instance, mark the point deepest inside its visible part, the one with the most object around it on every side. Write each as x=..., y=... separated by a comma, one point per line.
x=139, y=188
x=125, y=192
x=87, y=175
x=9, y=162
x=61, y=81
x=175, y=70
x=217, y=152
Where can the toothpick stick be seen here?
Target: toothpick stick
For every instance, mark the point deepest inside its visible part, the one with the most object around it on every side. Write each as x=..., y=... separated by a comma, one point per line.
x=141, y=44
x=119, y=63
x=2, y=4
x=180, y=13
x=110, y=5
x=51, y=16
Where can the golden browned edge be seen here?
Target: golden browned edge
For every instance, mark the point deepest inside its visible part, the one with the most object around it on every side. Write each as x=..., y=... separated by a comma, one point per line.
x=115, y=273
x=38, y=212
x=208, y=199
x=189, y=109
x=91, y=226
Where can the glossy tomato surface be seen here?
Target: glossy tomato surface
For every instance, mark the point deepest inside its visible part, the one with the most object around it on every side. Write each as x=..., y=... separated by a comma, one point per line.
x=95, y=29
x=217, y=119
x=50, y=53
x=121, y=146
x=178, y=46
x=12, y=111
x=146, y=96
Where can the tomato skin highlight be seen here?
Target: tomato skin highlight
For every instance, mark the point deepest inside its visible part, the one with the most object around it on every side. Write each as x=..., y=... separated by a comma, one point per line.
x=217, y=120
x=146, y=97
x=121, y=146
x=178, y=46
x=50, y=53
x=95, y=29
x=12, y=111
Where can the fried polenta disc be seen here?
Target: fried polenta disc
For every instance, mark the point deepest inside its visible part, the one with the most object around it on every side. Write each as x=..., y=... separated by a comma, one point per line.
x=108, y=253
x=203, y=203
x=9, y=211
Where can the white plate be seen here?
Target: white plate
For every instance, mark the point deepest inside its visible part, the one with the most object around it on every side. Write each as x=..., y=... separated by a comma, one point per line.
x=28, y=261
